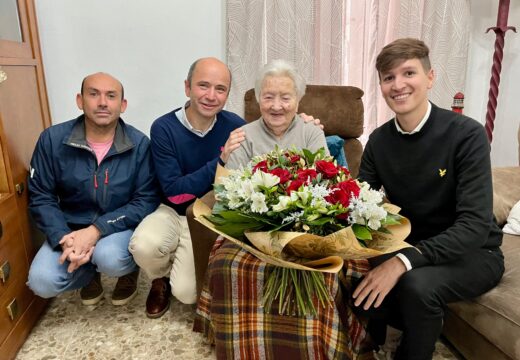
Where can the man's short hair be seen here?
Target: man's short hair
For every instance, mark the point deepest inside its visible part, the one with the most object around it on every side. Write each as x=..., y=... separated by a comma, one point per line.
x=83, y=87
x=192, y=70
x=401, y=50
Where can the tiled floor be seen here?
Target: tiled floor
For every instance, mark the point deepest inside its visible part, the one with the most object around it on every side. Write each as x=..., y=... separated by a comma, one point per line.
x=69, y=330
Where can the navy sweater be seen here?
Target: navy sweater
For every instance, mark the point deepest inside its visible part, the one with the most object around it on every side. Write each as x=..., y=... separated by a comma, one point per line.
x=441, y=178
x=186, y=163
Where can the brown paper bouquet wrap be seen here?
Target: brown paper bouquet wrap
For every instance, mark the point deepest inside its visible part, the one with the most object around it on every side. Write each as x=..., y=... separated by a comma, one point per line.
x=295, y=195
x=304, y=251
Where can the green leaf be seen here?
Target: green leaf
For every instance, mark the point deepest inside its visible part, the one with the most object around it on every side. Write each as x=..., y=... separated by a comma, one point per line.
x=361, y=232
x=320, y=221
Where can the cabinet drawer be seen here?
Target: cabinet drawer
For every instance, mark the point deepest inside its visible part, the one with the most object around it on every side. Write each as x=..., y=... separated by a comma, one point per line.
x=13, y=262
x=9, y=222
x=18, y=297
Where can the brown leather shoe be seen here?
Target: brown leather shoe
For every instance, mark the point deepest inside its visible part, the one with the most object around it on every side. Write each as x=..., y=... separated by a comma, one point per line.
x=158, y=300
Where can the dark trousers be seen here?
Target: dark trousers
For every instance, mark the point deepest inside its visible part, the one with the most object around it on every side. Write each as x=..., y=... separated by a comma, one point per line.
x=416, y=304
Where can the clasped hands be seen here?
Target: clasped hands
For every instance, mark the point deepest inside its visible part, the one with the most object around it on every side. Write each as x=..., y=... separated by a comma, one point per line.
x=78, y=247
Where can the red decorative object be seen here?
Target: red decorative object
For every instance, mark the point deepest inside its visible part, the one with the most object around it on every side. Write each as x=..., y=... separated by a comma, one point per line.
x=458, y=103
x=500, y=31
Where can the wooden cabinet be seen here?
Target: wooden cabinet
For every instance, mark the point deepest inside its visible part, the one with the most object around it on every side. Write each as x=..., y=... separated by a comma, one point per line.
x=24, y=113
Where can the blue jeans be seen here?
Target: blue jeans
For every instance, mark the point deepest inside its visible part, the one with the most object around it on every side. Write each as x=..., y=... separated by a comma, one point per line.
x=48, y=278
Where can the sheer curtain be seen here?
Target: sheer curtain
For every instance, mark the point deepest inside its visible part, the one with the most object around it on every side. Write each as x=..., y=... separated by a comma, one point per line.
x=336, y=42
x=308, y=33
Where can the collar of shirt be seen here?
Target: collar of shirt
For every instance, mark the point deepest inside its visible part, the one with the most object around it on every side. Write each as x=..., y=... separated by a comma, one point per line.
x=418, y=127
x=181, y=115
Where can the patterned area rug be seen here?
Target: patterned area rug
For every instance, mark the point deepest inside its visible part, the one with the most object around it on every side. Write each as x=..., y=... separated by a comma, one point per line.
x=69, y=330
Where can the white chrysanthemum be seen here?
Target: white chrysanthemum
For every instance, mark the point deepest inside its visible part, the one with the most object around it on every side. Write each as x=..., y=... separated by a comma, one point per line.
x=284, y=202
x=292, y=217
x=261, y=178
x=319, y=192
x=258, y=203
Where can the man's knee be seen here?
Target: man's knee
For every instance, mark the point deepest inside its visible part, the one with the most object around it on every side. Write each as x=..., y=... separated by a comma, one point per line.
x=44, y=283
x=415, y=291
x=185, y=291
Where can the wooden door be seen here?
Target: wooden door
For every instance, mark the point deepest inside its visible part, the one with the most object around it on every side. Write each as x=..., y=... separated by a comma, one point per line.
x=23, y=107
x=24, y=113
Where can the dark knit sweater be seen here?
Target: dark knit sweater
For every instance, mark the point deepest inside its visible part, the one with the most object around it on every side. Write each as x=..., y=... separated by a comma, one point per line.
x=184, y=162
x=441, y=178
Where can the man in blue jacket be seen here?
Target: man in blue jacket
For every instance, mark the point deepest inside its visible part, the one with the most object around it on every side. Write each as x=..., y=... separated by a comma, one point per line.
x=90, y=184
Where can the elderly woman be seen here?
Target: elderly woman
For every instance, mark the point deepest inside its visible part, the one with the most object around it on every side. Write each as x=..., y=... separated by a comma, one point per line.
x=230, y=311
x=278, y=89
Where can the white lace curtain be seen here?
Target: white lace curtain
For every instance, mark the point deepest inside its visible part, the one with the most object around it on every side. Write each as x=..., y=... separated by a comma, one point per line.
x=336, y=42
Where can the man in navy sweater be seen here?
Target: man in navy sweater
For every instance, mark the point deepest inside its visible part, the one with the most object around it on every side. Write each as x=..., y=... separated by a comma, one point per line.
x=186, y=144
x=435, y=165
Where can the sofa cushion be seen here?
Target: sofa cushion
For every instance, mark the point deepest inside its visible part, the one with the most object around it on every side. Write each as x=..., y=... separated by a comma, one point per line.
x=506, y=191
x=495, y=314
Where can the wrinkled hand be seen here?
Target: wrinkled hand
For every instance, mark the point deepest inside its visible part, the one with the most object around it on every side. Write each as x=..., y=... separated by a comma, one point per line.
x=232, y=143
x=378, y=283
x=78, y=247
x=309, y=118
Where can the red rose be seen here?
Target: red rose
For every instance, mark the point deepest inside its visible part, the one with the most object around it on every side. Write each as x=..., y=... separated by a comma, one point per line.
x=262, y=166
x=283, y=174
x=351, y=187
x=338, y=196
x=344, y=169
x=306, y=174
x=327, y=169
x=294, y=185
x=294, y=158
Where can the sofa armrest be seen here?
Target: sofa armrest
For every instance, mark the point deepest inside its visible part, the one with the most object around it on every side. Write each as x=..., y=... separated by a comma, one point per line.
x=202, y=240
x=506, y=191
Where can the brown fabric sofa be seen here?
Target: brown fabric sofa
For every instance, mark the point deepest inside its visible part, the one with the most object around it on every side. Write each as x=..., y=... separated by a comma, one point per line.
x=340, y=110
x=488, y=327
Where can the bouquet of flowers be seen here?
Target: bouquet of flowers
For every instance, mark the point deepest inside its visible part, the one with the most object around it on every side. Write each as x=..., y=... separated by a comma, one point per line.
x=298, y=205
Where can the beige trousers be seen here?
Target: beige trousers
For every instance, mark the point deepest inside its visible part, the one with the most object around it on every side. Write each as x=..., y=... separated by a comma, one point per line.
x=161, y=246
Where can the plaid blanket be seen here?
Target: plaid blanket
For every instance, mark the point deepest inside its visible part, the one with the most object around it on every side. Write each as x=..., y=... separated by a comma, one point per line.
x=230, y=314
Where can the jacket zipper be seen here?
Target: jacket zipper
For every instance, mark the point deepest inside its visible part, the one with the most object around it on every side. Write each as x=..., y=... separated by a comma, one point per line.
x=106, y=186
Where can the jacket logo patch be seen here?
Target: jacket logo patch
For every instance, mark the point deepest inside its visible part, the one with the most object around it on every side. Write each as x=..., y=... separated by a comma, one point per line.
x=442, y=172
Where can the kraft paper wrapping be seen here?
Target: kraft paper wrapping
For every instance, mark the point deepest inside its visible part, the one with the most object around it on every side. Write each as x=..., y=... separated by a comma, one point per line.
x=327, y=253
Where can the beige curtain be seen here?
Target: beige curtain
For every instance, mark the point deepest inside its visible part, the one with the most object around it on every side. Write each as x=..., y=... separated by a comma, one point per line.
x=309, y=33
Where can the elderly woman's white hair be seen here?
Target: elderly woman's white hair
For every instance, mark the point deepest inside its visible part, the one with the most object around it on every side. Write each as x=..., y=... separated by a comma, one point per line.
x=280, y=67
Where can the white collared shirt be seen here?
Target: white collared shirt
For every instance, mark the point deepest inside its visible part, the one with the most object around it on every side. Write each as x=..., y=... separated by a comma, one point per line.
x=181, y=115
x=418, y=127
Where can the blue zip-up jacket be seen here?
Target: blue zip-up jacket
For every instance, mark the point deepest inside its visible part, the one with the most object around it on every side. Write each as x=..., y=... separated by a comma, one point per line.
x=69, y=191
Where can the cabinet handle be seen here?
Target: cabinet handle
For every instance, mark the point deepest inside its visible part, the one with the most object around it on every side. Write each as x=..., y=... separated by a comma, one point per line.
x=20, y=188
x=12, y=309
x=5, y=271
x=1, y=230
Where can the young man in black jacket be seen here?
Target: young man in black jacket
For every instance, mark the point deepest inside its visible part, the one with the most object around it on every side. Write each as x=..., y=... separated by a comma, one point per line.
x=435, y=165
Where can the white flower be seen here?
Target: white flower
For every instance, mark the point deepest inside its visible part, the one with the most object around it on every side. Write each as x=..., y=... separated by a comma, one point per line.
x=366, y=210
x=258, y=203
x=261, y=178
x=283, y=204
x=292, y=217
x=246, y=189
